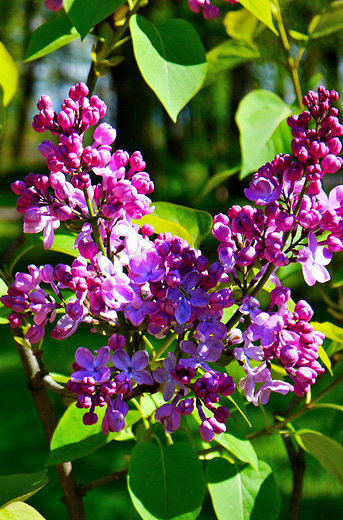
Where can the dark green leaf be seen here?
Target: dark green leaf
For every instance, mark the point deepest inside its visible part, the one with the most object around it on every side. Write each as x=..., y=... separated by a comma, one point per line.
x=258, y=118
x=20, y=511
x=327, y=451
x=21, y=486
x=50, y=36
x=227, y=56
x=171, y=58
x=330, y=21
x=190, y=224
x=262, y=9
x=166, y=483
x=241, y=493
x=8, y=76
x=85, y=14
x=73, y=440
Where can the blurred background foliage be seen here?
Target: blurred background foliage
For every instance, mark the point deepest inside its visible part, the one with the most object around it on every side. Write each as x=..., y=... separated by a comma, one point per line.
x=181, y=159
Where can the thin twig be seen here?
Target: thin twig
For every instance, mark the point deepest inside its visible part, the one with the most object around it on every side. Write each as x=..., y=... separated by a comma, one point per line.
x=116, y=475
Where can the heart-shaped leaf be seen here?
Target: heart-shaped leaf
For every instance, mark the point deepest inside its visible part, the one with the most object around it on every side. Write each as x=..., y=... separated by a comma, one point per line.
x=171, y=58
x=20, y=511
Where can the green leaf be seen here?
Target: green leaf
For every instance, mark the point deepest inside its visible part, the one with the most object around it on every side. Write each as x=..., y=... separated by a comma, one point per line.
x=21, y=486
x=325, y=359
x=64, y=244
x=327, y=451
x=330, y=330
x=171, y=58
x=73, y=440
x=240, y=493
x=258, y=118
x=298, y=36
x=85, y=14
x=50, y=36
x=238, y=445
x=8, y=76
x=190, y=224
x=328, y=22
x=227, y=56
x=166, y=483
x=4, y=312
x=338, y=278
x=240, y=24
x=262, y=10
x=20, y=511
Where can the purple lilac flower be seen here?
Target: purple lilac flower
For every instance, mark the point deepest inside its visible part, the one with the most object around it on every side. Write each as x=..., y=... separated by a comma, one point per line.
x=163, y=376
x=92, y=366
x=313, y=260
x=133, y=369
x=114, y=419
x=186, y=296
x=200, y=355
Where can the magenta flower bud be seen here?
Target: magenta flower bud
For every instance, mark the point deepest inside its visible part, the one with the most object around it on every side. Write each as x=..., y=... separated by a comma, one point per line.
x=47, y=273
x=314, y=188
x=319, y=149
x=280, y=295
x=44, y=102
x=89, y=418
x=186, y=406
x=274, y=241
x=18, y=187
x=61, y=211
x=246, y=256
x=88, y=249
x=105, y=134
x=46, y=116
x=46, y=148
x=147, y=230
x=221, y=414
x=66, y=118
x=335, y=244
x=116, y=342
x=334, y=145
x=136, y=162
x=15, y=320
x=79, y=91
x=226, y=385
x=35, y=334
x=284, y=221
x=289, y=355
x=331, y=163
x=304, y=310
x=100, y=105
x=142, y=182
x=183, y=374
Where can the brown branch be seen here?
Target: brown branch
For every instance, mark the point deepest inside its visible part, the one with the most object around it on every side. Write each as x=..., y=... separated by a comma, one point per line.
x=116, y=475
x=41, y=398
x=298, y=465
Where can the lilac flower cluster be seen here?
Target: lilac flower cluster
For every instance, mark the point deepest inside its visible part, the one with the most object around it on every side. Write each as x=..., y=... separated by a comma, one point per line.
x=126, y=284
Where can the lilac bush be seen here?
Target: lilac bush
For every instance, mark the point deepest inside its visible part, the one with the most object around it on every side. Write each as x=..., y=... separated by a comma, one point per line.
x=162, y=285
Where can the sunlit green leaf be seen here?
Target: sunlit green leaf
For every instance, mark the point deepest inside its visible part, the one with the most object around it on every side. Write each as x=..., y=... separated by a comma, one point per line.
x=21, y=486
x=240, y=24
x=190, y=224
x=328, y=22
x=2, y=111
x=226, y=56
x=8, y=76
x=241, y=493
x=330, y=330
x=238, y=445
x=73, y=440
x=166, y=483
x=262, y=10
x=20, y=511
x=171, y=58
x=259, y=119
x=50, y=36
x=298, y=36
x=325, y=359
x=327, y=451
x=85, y=14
